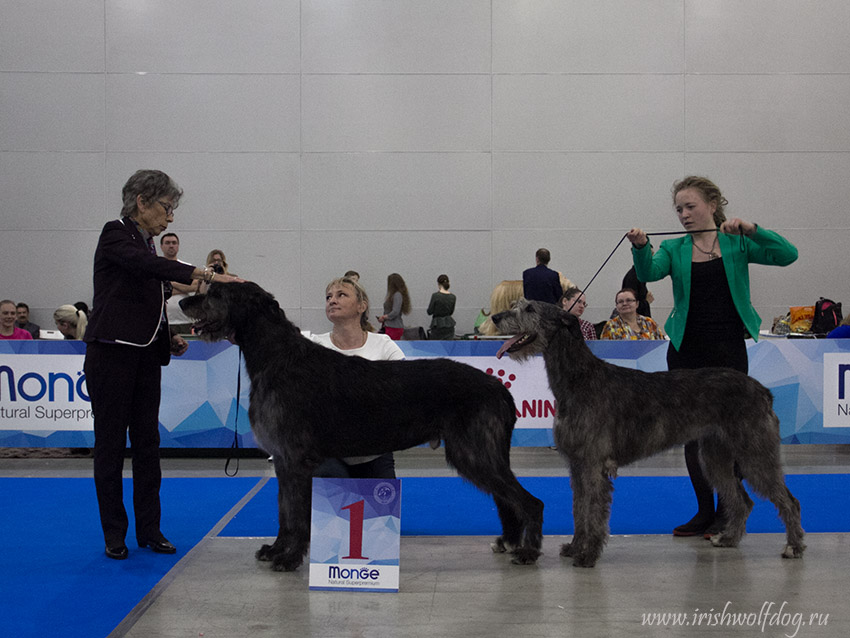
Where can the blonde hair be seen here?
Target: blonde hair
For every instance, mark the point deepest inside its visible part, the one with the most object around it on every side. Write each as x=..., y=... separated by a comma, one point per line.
x=362, y=297
x=503, y=297
x=216, y=251
x=708, y=190
x=77, y=318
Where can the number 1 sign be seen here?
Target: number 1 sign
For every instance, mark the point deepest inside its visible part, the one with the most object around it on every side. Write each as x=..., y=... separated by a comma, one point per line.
x=354, y=534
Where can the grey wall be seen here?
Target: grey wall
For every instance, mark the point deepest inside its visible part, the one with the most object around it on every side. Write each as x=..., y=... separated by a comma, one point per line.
x=421, y=136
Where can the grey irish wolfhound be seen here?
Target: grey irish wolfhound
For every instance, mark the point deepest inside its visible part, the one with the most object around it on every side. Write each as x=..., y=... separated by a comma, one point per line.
x=309, y=403
x=609, y=416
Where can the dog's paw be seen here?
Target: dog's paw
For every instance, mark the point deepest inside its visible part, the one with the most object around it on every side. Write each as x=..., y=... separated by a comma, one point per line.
x=583, y=561
x=724, y=540
x=791, y=551
x=567, y=550
x=284, y=564
x=264, y=553
x=498, y=546
x=525, y=556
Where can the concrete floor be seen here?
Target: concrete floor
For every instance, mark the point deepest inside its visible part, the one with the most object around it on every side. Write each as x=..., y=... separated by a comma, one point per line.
x=454, y=586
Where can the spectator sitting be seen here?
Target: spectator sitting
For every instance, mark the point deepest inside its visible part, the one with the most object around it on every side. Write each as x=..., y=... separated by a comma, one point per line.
x=82, y=306
x=575, y=302
x=628, y=324
x=23, y=320
x=70, y=321
x=8, y=328
x=353, y=275
x=441, y=306
x=347, y=308
x=503, y=297
x=540, y=283
x=643, y=295
x=842, y=331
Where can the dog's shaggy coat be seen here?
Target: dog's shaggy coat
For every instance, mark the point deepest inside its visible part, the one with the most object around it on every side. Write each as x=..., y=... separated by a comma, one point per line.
x=309, y=403
x=609, y=416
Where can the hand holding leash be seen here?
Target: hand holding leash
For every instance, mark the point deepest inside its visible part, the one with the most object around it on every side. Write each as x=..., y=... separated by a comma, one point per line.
x=637, y=237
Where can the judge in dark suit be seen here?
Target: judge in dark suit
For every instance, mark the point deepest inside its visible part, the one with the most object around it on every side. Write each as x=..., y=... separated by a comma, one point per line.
x=127, y=342
x=540, y=283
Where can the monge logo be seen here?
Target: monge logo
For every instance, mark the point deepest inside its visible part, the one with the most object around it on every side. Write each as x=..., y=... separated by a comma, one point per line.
x=836, y=390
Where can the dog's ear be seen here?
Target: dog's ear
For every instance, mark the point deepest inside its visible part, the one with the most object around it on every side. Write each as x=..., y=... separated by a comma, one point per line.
x=571, y=322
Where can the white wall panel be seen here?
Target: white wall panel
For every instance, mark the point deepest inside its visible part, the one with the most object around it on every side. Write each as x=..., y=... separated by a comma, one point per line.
x=767, y=36
x=587, y=112
x=398, y=191
x=581, y=190
x=781, y=190
x=224, y=191
x=419, y=257
x=574, y=36
x=271, y=258
x=48, y=268
x=396, y=36
x=51, y=112
x=47, y=35
x=59, y=191
x=202, y=36
x=768, y=113
x=202, y=113
x=396, y=113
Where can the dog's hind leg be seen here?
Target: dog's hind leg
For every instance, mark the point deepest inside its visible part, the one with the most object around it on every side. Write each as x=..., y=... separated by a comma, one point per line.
x=293, y=538
x=488, y=468
x=766, y=478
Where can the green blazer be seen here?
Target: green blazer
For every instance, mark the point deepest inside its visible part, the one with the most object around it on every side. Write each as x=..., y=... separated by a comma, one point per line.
x=674, y=257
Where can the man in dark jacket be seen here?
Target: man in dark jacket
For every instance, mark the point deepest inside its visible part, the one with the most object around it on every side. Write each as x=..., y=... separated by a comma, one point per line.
x=540, y=283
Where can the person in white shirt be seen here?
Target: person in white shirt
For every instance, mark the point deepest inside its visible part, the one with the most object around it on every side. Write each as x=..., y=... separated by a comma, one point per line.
x=347, y=308
x=169, y=243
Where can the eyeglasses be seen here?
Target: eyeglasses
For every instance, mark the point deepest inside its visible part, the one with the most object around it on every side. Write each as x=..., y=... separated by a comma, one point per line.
x=625, y=301
x=168, y=208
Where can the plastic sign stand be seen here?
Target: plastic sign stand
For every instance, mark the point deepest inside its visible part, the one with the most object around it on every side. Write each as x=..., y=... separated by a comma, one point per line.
x=355, y=534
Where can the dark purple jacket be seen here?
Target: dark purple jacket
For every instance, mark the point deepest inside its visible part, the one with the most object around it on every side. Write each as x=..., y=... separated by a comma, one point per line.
x=129, y=297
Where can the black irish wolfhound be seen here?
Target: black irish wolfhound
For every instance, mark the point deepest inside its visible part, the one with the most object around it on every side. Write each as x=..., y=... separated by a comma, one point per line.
x=609, y=416
x=309, y=403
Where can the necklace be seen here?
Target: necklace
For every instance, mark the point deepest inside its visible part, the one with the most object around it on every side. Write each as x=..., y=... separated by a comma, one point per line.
x=710, y=252
x=336, y=343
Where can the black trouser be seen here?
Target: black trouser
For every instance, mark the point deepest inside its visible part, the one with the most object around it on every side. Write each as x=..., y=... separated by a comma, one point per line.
x=382, y=467
x=124, y=385
x=705, y=353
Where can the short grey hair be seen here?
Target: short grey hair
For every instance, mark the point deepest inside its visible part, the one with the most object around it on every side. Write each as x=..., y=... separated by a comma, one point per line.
x=151, y=185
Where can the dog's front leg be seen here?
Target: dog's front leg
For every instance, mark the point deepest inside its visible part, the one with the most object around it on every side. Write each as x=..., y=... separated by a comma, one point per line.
x=293, y=538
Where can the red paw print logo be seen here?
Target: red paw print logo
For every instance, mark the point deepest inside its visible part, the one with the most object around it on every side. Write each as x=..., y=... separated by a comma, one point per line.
x=506, y=380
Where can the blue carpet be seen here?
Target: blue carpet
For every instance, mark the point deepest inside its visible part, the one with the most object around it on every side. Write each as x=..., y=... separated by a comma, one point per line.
x=57, y=582
x=642, y=505
x=56, y=579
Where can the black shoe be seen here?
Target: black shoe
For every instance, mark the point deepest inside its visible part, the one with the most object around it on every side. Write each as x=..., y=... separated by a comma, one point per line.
x=694, y=527
x=160, y=547
x=118, y=552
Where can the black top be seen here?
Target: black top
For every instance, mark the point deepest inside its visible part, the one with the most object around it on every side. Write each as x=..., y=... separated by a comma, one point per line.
x=712, y=312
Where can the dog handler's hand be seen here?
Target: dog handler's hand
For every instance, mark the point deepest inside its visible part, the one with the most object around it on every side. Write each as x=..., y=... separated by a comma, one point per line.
x=737, y=226
x=637, y=237
x=178, y=345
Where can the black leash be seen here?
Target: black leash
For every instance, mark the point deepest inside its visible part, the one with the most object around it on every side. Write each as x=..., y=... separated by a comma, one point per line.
x=234, y=447
x=670, y=232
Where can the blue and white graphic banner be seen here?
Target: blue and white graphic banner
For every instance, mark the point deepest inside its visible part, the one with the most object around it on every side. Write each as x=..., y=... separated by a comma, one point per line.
x=44, y=403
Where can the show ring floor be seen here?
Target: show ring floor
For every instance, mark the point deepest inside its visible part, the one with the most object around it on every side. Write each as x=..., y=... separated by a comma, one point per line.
x=454, y=585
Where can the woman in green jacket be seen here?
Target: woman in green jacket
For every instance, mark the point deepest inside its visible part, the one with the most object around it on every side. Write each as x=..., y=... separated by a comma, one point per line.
x=712, y=313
